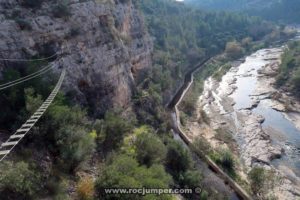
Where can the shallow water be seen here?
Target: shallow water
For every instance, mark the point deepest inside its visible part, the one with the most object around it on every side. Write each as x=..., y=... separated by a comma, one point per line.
x=246, y=85
x=282, y=131
x=289, y=135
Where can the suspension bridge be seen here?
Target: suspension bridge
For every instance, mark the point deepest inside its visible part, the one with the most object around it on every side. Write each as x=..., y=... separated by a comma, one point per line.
x=14, y=139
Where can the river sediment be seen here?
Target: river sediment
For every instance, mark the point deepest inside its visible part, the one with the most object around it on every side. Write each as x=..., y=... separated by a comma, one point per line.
x=263, y=121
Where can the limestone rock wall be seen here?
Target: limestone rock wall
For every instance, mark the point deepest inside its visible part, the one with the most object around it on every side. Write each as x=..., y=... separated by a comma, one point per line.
x=103, y=44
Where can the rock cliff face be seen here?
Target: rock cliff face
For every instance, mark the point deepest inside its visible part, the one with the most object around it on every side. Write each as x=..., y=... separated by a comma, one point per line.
x=102, y=43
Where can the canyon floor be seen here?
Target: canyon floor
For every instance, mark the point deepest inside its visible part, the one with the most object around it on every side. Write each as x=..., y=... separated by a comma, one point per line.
x=263, y=121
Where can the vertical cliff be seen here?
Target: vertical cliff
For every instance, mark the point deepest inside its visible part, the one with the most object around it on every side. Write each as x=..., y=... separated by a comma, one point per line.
x=103, y=44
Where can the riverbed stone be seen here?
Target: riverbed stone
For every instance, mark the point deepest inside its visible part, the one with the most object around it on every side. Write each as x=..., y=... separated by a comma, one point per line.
x=255, y=144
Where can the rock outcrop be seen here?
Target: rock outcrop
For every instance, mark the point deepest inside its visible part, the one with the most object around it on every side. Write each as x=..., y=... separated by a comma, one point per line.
x=103, y=44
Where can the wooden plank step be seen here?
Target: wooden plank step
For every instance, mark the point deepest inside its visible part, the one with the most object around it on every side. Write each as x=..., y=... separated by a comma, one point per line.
x=35, y=117
x=5, y=144
x=23, y=129
x=31, y=120
x=38, y=113
x=4, y=152
x=17, y=136
x=27, y=125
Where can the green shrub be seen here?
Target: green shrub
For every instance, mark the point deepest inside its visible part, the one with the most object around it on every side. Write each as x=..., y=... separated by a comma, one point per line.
x=234, y=50
x=150, y=149
x=262, y=181
x=178, y=159
x=18, y=180
x=225, y=136
x=191, y=179
x=204, y=117
x=33, y=101
x=75, y=145
x=227, y=161
x=23, y=24
x=112, y=129
x=67, y=134
x=296, y=81
x=32, y=3
x=218, y=75
x=61, y=10
x=289, y=70
x=202, y=146
x=257, y=178
x=125, y=172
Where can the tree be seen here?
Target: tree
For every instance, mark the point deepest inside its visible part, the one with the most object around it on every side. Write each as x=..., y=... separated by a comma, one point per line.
x=33, y=102
x=149, y=149
x=192, y=179
x=233, y=50
x=18, y=180
x=113, y=130
x=178, y=159
x=67, y=134
x=75, y=145
x=125, y=172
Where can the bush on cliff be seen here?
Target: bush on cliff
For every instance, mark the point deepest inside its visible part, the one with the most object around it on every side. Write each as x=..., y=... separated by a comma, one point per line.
x=150, y=149
x=18, y=180
x=32, y=3
x=125, y=172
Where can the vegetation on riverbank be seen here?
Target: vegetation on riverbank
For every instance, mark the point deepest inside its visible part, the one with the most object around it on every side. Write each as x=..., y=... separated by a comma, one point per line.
x=70, y=154
x=184, y=36
x=282, y=11
x=289, y=71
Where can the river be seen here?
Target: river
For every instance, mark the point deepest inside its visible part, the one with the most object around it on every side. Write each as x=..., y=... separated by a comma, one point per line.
x=243, y=103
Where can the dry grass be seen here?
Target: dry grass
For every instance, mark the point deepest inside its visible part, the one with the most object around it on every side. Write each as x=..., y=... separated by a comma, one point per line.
x=85, y=188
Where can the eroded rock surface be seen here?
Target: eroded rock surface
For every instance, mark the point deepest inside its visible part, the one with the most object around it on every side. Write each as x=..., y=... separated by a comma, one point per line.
x=103, y=45
x=256, y=147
